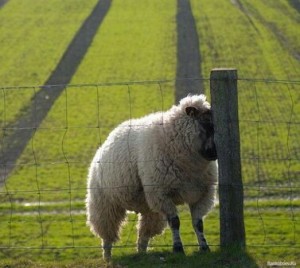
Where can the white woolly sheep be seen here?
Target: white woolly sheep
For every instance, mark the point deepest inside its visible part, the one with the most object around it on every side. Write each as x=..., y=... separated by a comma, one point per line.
x=150, y=165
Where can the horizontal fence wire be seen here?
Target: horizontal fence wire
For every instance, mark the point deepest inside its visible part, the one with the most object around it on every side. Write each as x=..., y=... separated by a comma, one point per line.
x=43, y=182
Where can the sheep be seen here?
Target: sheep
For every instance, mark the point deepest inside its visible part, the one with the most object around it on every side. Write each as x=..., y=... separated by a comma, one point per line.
x=150, y=165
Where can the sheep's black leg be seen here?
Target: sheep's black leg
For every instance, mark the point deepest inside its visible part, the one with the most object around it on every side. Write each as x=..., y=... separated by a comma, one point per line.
x=198, y=227
x=174, y=223
x=107, y=246
x=198, y=210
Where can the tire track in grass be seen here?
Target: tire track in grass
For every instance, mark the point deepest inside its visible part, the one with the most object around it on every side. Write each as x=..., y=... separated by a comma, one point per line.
x=284, y=42
x=18, y=134
x=188, y=73
x=3, y=2
x=295, y=4
x=241, y=7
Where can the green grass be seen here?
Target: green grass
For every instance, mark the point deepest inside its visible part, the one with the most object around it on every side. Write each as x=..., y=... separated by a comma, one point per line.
x=41, y=209
x=34, y=35
x=43, y=237
x=133, y=44
x=216, y=259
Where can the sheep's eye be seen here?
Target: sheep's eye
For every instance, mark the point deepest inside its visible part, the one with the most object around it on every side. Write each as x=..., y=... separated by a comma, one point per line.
x=206, y=119
x=208, y=127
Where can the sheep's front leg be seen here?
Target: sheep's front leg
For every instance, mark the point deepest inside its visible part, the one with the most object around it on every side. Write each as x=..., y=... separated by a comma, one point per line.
x=174, y=223
x=159, y=202
x=198, y=227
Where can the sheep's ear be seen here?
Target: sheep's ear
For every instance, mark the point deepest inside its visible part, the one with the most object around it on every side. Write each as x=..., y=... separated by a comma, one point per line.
x=191, y=111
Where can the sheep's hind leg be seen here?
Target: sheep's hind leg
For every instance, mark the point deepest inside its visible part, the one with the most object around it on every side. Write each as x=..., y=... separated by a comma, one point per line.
x=150, y=224
x=107, y=246
x=107, y=225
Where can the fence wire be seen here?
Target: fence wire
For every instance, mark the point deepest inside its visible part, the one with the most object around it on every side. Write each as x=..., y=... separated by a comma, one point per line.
x=44, y=163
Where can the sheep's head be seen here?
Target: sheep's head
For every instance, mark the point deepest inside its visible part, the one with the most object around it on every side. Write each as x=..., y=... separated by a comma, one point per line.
x=205, y=129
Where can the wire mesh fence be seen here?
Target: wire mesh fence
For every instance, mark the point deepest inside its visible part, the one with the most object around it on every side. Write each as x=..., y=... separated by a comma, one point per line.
x=269, y=126
x=45, y=159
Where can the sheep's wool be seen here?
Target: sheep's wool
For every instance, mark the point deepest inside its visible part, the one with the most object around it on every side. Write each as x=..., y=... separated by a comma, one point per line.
x=150, y=165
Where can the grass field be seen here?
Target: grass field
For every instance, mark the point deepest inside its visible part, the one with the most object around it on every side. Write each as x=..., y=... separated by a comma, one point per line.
x=42, y=208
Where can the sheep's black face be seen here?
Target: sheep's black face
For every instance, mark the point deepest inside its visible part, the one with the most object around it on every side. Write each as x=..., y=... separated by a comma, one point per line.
x=206, y=132
x=208, y=149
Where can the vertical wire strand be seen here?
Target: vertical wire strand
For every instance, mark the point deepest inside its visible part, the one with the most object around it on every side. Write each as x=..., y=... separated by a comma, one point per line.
x=289, y=161
x=99, y=132
x=35, y=126
x=161, y=96
x=129, y=152
x=68, y=165
x=162, y=109
x=3, y=133
x=99, y=127
x=258, y=162
x=4, y=172
x=130, y=233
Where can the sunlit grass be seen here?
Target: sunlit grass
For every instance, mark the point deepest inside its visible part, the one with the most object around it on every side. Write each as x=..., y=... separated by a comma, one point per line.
x=34, y=36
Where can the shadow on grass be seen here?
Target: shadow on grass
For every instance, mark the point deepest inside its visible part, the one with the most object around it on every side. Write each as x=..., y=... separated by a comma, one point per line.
x=229, y=258
x=164, y=258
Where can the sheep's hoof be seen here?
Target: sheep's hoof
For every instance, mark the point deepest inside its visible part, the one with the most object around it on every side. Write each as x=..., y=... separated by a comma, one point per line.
x=107, y=257
x=142, y=246
x=204, y=248
x=178, y=248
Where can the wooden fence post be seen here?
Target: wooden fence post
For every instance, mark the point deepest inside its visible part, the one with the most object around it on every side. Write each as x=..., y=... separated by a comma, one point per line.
x=224, y=98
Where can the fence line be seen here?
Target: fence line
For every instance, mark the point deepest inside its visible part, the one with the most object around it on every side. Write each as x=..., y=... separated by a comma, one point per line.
x=147, y=82
x=269, y=125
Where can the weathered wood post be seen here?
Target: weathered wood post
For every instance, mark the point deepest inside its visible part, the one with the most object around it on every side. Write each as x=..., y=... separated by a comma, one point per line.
x=224, y=98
